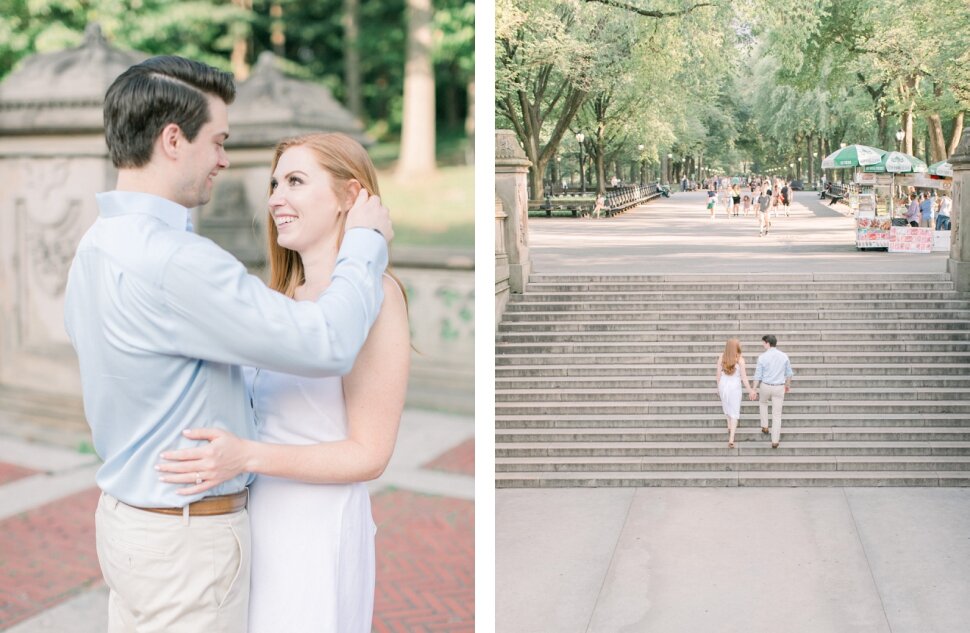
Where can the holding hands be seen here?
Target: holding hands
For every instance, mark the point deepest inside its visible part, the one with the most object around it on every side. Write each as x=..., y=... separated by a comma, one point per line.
x=753, y=395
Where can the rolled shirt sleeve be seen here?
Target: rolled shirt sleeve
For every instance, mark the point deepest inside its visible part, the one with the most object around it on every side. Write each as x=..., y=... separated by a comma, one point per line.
x=220, y=313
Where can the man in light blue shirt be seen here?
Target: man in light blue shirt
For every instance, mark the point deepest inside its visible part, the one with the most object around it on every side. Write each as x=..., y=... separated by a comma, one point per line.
x=161, y=320
x=773, y=376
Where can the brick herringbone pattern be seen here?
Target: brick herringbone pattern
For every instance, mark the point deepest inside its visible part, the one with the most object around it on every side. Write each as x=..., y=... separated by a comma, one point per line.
x=425, y=564
x=12, y=472
x=46, y=556
x=425, y=560
x=459, y=460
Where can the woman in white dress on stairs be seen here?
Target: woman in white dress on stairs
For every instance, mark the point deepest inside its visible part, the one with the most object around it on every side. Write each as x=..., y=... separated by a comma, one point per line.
x=731, y=372
x=313, y=533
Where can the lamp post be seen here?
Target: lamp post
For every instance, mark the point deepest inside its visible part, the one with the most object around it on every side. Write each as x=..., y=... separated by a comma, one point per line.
x=670, y=170
x=580, y=137
x=798, y=172
x=558, y=183
x=900, y=135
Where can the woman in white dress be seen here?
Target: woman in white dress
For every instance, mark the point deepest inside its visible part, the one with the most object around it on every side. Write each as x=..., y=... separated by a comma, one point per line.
x=313, y=533
x=731, y=373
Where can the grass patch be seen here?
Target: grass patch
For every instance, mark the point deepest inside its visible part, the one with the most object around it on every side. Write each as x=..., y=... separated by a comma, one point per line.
x=435, y=211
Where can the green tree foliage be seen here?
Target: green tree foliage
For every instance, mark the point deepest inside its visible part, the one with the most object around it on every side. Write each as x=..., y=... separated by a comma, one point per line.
x=313, y=41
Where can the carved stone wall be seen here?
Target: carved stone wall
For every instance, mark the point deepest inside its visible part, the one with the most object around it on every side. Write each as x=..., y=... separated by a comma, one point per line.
x=959, y=262
x=511, y=182
x=442, y=311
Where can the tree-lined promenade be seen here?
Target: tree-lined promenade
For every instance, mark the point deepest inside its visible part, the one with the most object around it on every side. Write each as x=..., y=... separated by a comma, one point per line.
x=644, y=91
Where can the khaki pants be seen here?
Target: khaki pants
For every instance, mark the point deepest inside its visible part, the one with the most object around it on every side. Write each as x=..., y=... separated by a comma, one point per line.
x=173, y=574
x=776, y=394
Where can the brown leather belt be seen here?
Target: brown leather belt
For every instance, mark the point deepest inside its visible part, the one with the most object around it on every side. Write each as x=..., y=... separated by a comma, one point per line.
x=210, y=506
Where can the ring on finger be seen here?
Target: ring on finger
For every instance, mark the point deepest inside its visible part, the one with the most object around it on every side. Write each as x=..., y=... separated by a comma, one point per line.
x=198, y=478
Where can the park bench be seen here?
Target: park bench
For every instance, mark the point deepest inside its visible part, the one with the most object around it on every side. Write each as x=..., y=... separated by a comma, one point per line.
x=618, y=200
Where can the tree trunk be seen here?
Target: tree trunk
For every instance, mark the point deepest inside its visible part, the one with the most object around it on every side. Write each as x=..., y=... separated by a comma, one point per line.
x=935, y=130
x=808, y=157
x=599, y=155
x=352, y=92
x=470, y=125
x=277, y=35
x=418, y=125
x=238, y=59
x=957, y=133
x=907, y=91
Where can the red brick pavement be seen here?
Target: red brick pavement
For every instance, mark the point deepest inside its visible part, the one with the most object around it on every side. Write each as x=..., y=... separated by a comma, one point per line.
x=459, y=460
x=11, y=472
x=425, y=560
x=46, y=556
x=425, y=563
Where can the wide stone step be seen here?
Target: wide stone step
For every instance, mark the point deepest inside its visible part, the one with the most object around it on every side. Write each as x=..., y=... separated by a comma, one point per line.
x=807, y=293
x=749, y=340
x=729, y=479
x=714, y=349
x=656, y=369
x=633, y=319
x=709, y=395
x=801, y=330
x=748, y=407
x=705, y=360
x=760, y=306
x=805, y=383
x=709, y=420
x=736, y=463
x=747, y=434
x=720, y=449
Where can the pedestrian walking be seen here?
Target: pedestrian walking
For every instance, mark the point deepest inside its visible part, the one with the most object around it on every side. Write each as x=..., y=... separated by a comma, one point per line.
x=731, y=374
x=912, y=211
x=786, y=197
x=711, y=203
x=772, y=380
x=598, y=207
x=926, y=211
x=736, y=199
x=764, y=199
x=746, y=204
x=943, y=212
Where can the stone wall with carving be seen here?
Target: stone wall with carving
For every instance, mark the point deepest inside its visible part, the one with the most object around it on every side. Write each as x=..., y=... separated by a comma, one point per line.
x=46, y=204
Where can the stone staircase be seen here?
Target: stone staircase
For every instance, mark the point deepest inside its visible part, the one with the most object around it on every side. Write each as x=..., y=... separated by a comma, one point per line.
x=609, y=381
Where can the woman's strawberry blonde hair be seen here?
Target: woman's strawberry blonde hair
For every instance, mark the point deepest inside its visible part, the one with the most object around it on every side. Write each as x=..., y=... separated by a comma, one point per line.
x=729, y=359
x=344, y=159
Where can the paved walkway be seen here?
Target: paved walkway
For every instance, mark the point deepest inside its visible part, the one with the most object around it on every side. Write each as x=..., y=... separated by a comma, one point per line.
x=830, y=560
x=675, y=235
x=423, y=505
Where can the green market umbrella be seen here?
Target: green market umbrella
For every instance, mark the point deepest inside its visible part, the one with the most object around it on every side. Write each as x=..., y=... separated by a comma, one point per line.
x=897, y=163
x=853, y=156
x=942, y=168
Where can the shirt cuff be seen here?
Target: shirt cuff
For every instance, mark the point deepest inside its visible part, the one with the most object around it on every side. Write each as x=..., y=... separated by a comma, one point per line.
x=366, y=243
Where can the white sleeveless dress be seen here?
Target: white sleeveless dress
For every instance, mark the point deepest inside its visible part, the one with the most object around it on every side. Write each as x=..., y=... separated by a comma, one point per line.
x=313, y=544
x=729, y=388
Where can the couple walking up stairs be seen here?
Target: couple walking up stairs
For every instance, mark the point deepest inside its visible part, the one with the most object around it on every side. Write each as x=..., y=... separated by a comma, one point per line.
x=610, y=381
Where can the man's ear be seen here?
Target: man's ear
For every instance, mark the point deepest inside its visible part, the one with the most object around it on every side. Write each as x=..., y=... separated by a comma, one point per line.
x=170, y=141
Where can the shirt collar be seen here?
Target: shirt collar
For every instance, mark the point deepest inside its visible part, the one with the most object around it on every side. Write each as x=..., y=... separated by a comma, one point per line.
x=117, y=203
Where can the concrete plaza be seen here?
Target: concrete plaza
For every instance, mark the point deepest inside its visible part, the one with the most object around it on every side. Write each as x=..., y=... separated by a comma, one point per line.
x=813, y=560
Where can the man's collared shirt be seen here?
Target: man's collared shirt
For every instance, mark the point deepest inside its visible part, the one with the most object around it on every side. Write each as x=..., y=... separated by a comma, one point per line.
x=162, y=319
x=773, y=367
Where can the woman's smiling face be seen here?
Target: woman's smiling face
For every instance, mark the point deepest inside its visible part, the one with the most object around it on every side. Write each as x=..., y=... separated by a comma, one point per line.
x=303, y=202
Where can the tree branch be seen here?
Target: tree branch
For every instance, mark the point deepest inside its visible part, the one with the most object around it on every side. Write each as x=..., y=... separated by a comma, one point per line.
x=649, y=13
